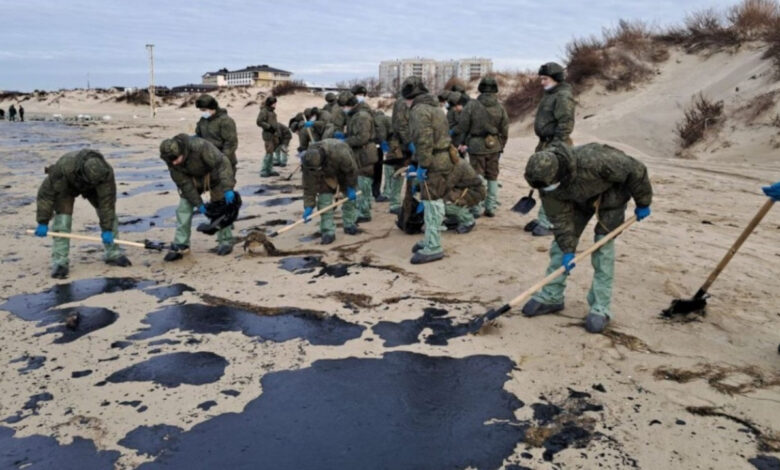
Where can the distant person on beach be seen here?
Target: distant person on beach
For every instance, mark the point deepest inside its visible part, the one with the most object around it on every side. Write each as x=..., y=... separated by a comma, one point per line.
x=2, y=114
x=12, y=113
x=21, y=113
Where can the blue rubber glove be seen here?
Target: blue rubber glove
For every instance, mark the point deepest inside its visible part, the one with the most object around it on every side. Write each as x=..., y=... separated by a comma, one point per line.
x=351, y=194
x=108, y=237
x=307, y=212
x=230, y=196
x=339, y=135
x=384, y=146
x=202, y=209
x=451, y=132
x=308, y=124
x=420, y=208
x=642, y=212
x=568, y=262
x=42, y=230
x=773, y=191
x=411, y=172
x=412, y=148
x=422, y=174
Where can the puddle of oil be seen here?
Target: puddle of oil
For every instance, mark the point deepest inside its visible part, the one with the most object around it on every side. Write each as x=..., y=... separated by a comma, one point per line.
x=301, y=264
x=89, y=319
x=32, y=363
x=148, y=188
x=167, y=292
x=288, y=324
x=280, y=201
x=44, y=452
x=403, y=410
x=151, y=440
x=765, y=462
x=407, y=331
x=29, y=306
x=172, y=370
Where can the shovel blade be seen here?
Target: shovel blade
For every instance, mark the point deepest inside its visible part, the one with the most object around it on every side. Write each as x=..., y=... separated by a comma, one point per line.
x=524, y=205
x=152, y=245
x=685, y=306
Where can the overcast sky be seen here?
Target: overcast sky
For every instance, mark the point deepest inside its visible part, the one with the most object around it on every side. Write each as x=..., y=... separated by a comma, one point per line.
x=51, y=44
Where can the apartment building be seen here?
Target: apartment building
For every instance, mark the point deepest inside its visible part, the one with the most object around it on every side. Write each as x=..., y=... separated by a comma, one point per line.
x=434, y=73
x=261, y=76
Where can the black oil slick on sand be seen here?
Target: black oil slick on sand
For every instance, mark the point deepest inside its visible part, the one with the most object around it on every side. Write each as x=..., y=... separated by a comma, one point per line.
x=400, y=410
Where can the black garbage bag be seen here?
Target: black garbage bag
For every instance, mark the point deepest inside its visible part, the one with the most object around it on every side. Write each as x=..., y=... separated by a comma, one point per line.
x=220, y=215
x=409, y=220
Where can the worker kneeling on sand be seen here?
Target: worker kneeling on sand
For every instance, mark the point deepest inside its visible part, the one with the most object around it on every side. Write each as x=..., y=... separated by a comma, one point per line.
x=197, y=166
x=329, y=166
x=576, y=183
x=465, y=191
x=86, y=173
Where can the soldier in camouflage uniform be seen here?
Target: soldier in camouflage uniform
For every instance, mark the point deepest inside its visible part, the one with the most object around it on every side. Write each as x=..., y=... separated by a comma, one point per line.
x=81, y=173
x=316, y=127
x=196, y=166
x=430, y=146
x=399, y=154
x=360, y=137
x=384, y=128
x=328, y=167
x=330, y=102
x=337, y=115
x=554, y=123
x=456, y=102
x=266, y=120
x=465, y=190
x=217, y=127
x=483, y=130
x=576, y=184
x=282, y=150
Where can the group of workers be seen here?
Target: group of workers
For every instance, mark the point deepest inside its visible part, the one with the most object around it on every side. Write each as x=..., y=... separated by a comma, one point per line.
x=12, y=112
x=446, y=148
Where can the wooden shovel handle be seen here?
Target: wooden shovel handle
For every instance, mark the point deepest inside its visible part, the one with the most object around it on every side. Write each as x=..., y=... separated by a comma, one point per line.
x=314, y=214
x=737, y=244
x=553, y=275
x=90, y=239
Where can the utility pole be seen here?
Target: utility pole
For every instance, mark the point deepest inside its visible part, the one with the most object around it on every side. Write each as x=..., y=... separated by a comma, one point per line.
x=150, y=48
x=87, y=81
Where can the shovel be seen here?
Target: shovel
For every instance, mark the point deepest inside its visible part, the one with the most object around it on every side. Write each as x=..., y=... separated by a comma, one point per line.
x=263, y=238
x=525, y=204
x=699, y=301
x=147, y=244
x=491, y=314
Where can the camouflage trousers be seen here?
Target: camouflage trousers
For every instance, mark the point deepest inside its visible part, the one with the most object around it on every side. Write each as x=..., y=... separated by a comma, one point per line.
x=60, y=248
x=184, y=214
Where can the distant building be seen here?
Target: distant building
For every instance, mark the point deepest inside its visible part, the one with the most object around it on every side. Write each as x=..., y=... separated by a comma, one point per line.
x=194, y=88
x=434, y=73
x=254, y=75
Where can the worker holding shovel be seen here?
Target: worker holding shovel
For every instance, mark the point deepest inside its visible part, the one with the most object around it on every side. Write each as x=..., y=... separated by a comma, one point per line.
x=81, y=173
x=197, y=166
x=328, y=166
x=577, y=183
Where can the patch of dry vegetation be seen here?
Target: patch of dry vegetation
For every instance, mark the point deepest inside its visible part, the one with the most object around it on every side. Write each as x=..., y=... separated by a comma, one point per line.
x=701, y=116
x=288, y=88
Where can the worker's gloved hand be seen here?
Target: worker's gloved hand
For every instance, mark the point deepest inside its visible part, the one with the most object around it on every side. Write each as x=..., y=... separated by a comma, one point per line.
x=568, y=262
x=351, y=194
x=411, y=172
x=202, y=209
x=422, y=174
x=230, y=196
x=42, y=230
x=307, y=212
x=108, y=237
x=773, y=191
x=420, y=208
x=642, y=212
x=412, y=148
x=308, y=124
x=384, y=146
x=339, y=135
x=451, y=132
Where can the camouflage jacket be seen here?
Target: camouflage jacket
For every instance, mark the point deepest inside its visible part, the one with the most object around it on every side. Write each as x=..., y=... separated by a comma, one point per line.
x=220, y=130
x=338, y=118
x=284, y=133
x=595, y=177
x=400, y=122
x=67, y=179
x=339, y=171
x=360, y=137
x=464, y=187
x=555, y=116
x=266, y=119
x=320, y=130
x=204, y=168
x=430, y=135
x=384, y=127
x=483, y=125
